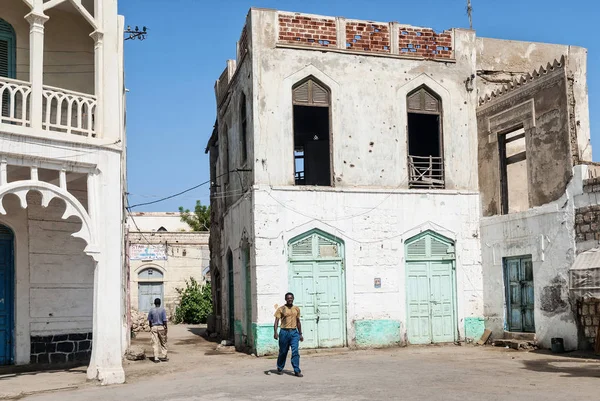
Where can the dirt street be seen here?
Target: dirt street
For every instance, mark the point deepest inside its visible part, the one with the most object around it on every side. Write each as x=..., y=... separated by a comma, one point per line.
x=198, y=372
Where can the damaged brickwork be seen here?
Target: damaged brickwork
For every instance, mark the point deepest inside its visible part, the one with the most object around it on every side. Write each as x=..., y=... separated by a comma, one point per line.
x=368, y=36
x=587, y=219
x=552, y=300
x=425, y=42
x=588, y=318
x=305, y=30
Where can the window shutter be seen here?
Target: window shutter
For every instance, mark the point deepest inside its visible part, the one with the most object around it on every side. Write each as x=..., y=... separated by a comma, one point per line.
x=423, y=100
x=431, y=103
x=301, y=93
x=417, y=250
x=414, y=101
x=327, y=248
x=3, y=58
x=302, y=248
x=319, y=94
x=7, y=50
x=439, y=249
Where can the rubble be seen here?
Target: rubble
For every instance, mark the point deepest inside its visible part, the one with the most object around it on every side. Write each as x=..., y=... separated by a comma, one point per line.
x=135, y=353
x=139, y=321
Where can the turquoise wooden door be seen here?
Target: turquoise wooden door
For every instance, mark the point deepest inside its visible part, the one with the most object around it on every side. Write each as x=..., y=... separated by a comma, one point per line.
x=147, y=293
x=430, y=291
x=518, y=275
x=6, y=296
x=317, y=281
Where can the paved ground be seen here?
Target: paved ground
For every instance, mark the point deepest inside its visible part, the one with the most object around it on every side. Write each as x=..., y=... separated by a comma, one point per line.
x=198, y=372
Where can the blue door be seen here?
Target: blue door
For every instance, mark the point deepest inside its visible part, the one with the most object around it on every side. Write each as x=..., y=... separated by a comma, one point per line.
x=147, y=293
x=6, y=296
x=518, y=276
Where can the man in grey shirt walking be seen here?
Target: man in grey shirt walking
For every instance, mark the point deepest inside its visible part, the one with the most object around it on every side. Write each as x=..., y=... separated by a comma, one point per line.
x=157, y=317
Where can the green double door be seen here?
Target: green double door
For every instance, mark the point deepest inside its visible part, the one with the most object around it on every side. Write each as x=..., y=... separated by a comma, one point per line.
x=430, y=289
x=518, y=276
x=318, y=292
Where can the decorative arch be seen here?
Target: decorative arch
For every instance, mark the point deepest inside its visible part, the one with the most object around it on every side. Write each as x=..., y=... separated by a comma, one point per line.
x=315, y=244
x=49, y=192
x=146, y=266
x=424, y=100
x=149, y=274
x=311, y=92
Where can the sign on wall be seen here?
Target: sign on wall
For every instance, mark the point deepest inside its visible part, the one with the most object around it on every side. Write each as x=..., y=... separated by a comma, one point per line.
x=148, y=252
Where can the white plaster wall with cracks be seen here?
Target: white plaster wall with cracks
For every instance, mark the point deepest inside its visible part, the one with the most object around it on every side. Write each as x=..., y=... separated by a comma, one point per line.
x=374, y=226
x=546, y=233
x=61, y=150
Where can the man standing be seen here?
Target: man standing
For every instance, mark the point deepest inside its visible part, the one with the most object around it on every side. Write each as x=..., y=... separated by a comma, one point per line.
x=157, y=317
x=290, y=333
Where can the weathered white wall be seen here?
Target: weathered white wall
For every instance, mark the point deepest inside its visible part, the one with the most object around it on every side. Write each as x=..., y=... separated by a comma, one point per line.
x=54, y=277
x=152, y=221
x=502, y=61
x=374, y=224
x=547, y=234
x=187, y=256
x=69, y=56
x=368, y=105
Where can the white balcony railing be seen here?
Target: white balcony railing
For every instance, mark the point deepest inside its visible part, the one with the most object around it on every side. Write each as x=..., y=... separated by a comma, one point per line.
x=63, y=110
x=426, y=172
x=15, y=98
x=68, y=111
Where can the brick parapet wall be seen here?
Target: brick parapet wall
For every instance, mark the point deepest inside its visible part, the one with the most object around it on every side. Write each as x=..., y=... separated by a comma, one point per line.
x=588, y=317
x=587, y=223
x=365, y=36
x=425, y=43
x=304, y=30
x=61, y=348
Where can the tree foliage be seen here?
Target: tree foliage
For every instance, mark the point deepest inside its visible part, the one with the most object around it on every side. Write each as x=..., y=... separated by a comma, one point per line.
x=199, y=219
x=195, y=304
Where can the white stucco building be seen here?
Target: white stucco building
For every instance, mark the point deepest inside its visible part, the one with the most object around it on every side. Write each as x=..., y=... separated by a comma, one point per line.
x=62, y=174
x=350, y=162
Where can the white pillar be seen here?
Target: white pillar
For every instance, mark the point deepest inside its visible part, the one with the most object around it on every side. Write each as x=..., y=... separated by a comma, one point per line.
x=106, y=362
x=98, y=37
x=36, y=21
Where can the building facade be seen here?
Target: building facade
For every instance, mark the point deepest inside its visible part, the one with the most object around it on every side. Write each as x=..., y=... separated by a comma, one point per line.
x=408, y=186
x=62, y=176
x=162, y=255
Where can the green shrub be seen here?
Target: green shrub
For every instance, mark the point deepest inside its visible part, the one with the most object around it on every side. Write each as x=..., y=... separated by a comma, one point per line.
x=195, y=304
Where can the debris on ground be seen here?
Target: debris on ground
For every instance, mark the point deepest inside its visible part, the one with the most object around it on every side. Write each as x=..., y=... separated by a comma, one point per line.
x=135, y=353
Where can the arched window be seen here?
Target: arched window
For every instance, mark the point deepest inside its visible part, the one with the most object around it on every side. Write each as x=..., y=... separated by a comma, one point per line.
x=425, y=151
x=244, y=129
x=8, y=55
x=312, y=141
x=7, y=50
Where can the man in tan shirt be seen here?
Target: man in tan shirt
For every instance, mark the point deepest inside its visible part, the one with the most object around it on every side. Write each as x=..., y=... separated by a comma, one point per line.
x=289, y=335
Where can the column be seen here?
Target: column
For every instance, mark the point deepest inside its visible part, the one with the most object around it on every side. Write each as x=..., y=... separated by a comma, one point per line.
x=36, y=21
x=98, y=37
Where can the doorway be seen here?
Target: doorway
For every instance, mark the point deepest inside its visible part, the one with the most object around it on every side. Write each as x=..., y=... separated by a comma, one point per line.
x=518, y=281
x=150, y=287
x=430, y=289
x=317, y=282
x=6, y=296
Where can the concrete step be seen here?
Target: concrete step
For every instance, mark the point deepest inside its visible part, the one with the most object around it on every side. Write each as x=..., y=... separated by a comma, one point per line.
x=510, y=335
x=515, y=344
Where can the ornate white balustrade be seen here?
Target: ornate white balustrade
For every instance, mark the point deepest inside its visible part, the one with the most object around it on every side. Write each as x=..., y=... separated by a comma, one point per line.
x=63, y=110
x=15, y=98
x=68, y=111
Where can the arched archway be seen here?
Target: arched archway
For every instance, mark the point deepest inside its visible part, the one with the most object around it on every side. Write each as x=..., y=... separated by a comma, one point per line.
x=7, y=290
x=150, y=286
x=317, y=280
x=430, y=289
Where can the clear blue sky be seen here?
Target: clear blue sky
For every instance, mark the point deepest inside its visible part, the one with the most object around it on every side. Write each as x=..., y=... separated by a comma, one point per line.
x=171, y=107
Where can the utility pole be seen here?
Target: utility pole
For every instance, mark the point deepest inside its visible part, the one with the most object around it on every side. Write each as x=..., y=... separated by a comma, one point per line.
x=470, y=14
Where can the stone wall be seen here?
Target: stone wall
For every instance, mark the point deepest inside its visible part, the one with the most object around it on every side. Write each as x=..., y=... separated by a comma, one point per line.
x=588, y=318
x=591, y=185
x=587, y=222
x=61, y=348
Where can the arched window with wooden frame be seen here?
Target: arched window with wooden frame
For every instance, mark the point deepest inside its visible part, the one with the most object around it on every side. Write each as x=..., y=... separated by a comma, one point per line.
x=311, y=101
x=425, y=140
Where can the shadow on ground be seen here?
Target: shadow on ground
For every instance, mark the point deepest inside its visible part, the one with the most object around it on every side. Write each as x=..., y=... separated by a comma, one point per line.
x=566, y=368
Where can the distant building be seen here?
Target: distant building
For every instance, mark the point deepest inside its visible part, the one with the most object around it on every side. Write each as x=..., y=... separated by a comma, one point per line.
x=162, y=256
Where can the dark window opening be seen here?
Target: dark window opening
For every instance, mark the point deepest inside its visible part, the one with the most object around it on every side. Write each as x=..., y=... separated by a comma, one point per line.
x=243, y=137
x=161, y=228
x=514, y=177
x=312, y=150
x=218, y=302
x=311, y=145
x=425, y=155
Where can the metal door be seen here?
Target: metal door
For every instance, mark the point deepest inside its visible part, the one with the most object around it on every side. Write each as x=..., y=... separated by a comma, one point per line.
x=317, y=287
x=6, y=296
x=147, y=293
x=518, y=274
